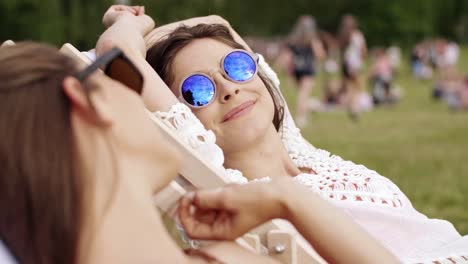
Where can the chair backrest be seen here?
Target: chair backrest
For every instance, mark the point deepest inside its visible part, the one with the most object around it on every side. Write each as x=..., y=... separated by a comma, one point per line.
x=203, y=175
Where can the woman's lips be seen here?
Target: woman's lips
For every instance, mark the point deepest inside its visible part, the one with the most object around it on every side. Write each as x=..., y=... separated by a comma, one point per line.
x=239, y=111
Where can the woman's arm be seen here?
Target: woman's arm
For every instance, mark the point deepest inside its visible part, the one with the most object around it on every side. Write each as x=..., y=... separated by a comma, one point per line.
x=335, y=237
x=156, y=34
x=126, y=32
x=227, y=213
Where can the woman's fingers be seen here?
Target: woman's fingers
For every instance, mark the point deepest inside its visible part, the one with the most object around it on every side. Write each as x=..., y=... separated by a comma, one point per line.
x=130, y=9
x=204, y=223
x=117, y=11
x=193, y=227
x=140, y=10
x=206, y=216
x=210, y=199
x=185, y=205
x=228, y=212
x=135, y=10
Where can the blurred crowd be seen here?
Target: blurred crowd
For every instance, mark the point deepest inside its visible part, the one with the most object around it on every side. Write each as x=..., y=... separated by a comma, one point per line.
x=356, y=79
x=341, y=59
x=439, y=57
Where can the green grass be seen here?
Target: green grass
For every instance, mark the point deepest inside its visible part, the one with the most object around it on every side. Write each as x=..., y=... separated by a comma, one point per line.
x=419, y=144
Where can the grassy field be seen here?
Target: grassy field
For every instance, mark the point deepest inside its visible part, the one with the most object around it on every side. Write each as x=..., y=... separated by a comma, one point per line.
x=419, y=144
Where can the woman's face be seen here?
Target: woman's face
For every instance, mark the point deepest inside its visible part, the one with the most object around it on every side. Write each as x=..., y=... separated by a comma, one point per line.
x=240, y=112
x=135, y=134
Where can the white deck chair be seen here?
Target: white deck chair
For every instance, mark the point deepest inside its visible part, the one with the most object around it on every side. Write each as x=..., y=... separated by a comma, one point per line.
x=277, y=236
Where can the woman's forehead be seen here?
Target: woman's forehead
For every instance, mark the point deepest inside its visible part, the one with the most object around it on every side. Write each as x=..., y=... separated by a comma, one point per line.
x=200, y=55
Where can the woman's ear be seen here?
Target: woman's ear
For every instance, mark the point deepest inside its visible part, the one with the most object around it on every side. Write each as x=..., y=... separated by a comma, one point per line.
x=95, y=112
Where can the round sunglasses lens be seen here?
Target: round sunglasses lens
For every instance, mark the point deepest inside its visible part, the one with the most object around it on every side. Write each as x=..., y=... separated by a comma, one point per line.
x=239, y=66
x=198, y=90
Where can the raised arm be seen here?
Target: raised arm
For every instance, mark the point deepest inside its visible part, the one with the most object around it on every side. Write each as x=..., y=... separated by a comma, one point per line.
x=156, y=34
x=126, y=31
x=227, y=213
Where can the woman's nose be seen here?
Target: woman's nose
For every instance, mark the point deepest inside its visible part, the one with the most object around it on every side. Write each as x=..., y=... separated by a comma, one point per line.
x=226, y=89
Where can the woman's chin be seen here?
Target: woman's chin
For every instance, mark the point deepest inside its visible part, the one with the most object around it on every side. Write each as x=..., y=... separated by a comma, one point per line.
x=243, y=136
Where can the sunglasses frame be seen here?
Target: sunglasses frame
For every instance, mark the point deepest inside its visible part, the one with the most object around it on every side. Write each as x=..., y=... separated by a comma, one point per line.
x=104, y=61
x=223, y=72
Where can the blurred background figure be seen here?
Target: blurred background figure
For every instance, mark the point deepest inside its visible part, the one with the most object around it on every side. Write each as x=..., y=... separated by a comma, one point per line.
x=443, y=54
x=353, y=51
x=448, y=55
x=451, y=88
x=382, y=79
x=449, y=84
x=420, y=61
x=394, y=55
x=331, y=83
x=306, y=51
x=463, y=95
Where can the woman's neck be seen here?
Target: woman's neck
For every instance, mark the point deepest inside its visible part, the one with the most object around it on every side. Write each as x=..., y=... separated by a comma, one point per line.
x=266, y=158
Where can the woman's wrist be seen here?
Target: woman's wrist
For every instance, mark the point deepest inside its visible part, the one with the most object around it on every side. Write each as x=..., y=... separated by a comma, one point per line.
x=285, y=191
x=141, y=24
x=126, y=33
x=291, y=196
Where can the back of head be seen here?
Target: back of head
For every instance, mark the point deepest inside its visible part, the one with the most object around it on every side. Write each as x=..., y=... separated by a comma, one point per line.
x=40, y=204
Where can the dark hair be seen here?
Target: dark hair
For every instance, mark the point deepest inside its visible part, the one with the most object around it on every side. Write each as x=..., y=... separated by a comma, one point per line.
x=41, y=193
x=161, y=56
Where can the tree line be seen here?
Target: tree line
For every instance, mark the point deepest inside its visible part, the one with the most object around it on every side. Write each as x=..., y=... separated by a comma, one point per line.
x=384, y=22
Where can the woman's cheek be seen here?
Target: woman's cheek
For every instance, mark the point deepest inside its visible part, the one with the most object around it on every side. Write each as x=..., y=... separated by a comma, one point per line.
x=206, y=116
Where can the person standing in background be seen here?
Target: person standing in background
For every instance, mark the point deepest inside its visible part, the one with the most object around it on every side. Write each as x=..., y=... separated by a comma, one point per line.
x=353, y=51
x=306, y=49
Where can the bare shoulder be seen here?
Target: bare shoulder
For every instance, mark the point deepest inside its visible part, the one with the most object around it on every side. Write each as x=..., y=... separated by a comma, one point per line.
x=230, y=252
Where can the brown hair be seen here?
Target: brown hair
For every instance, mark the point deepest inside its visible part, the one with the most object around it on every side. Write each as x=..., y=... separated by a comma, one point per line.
x=161, y=56
x=41, y=195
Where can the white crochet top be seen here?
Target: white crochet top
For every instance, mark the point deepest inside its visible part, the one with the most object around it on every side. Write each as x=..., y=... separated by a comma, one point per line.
x=370, y=199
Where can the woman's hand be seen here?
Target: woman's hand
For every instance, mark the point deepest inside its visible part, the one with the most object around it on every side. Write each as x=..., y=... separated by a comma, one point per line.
x=134, y=15
x=229, y=212
x=117, y=11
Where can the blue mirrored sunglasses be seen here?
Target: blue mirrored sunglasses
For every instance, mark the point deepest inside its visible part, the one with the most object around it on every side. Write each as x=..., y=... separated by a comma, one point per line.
x=199, y=90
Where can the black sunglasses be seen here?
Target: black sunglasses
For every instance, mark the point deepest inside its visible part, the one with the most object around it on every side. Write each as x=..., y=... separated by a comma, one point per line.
x=118, y=67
